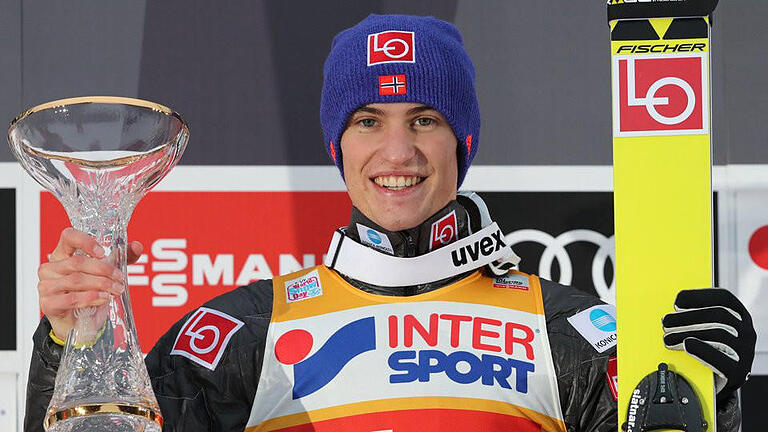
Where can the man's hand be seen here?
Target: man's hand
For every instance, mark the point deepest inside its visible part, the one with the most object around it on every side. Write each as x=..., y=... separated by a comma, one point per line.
x=69, y=281
x=714, y=327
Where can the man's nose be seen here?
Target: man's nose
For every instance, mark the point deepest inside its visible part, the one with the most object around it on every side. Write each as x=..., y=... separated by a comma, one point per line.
x=398, y=145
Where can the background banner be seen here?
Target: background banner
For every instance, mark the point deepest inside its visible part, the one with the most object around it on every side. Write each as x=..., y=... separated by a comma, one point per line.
x=198, y=245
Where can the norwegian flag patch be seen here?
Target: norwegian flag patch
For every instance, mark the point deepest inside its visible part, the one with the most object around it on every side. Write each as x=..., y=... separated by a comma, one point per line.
x=392, y=85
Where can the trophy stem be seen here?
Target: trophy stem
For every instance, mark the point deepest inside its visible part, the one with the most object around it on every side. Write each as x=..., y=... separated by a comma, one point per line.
x=102, y=372
x=109, y=230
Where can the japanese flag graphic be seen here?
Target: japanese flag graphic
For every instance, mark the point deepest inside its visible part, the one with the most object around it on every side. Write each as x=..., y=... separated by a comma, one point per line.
x=751, y=256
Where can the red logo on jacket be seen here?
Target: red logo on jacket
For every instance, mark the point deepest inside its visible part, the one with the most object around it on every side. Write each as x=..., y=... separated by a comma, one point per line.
x=391, y=47
x=204, y=336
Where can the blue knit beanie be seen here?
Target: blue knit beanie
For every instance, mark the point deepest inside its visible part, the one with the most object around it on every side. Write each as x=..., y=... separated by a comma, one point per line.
x=401, y=58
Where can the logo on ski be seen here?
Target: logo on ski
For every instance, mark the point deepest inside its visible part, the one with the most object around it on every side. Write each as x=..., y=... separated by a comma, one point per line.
x=660, y=94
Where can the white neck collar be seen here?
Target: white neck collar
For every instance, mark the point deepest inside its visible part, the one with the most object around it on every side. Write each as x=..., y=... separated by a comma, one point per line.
x=485, y=247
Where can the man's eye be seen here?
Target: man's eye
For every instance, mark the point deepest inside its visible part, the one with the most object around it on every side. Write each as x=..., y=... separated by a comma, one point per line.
x=425, y=121
x=367, y=122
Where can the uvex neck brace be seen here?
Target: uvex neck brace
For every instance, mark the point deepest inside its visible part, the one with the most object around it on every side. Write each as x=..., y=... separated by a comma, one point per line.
x=373, y=264
x=485, y=245
x=368, y=265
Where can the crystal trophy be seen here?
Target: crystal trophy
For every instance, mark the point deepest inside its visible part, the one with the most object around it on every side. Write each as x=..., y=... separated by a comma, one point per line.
x=99, y=156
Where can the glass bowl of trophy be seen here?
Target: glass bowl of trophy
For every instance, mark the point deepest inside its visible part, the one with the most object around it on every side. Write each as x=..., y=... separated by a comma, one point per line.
x=99, y=156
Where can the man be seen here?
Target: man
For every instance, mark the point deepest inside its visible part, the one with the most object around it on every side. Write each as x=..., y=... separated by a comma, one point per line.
x=415, y=321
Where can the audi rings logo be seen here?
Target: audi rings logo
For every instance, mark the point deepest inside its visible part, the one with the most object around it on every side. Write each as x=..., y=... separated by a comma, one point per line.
x=554, y=250
x=660, y=94
x=391, y=47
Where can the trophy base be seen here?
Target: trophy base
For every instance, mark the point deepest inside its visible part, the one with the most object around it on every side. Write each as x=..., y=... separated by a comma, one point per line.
x=104, y=417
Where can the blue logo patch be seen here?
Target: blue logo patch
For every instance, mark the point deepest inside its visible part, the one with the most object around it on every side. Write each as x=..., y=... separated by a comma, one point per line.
x=374, y=237
x=603, y=320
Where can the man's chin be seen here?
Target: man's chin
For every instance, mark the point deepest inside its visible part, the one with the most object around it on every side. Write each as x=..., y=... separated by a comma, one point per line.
x=399, y=218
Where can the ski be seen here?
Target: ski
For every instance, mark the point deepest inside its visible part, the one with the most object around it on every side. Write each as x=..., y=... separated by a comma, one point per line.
x=660, y=54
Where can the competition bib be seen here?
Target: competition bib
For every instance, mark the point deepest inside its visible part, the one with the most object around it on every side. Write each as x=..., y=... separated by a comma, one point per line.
x=470, y=356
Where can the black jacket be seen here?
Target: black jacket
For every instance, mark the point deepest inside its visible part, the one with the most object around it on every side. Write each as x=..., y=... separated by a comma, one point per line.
x=193, y=398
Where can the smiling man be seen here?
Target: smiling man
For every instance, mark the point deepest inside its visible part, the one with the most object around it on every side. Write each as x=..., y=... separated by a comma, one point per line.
x=399, y=163
x=417, y=320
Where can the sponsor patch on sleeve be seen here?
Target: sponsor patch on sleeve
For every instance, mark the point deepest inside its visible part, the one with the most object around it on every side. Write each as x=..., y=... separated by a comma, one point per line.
x=597, y=325
x=204, y=336
x=613, y=377
x=304, y=287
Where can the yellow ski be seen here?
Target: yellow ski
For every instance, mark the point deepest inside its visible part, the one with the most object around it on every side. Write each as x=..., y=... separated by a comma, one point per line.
x=660, y=55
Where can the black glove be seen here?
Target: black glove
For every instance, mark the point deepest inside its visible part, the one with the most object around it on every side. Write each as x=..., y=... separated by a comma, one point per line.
x=714, y=327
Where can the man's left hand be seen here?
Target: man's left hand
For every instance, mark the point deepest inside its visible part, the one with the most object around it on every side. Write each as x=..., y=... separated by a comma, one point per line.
x=714, y=327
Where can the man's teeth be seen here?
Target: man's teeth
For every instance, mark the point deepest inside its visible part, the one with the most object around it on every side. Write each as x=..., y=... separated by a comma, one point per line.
x=397, y=182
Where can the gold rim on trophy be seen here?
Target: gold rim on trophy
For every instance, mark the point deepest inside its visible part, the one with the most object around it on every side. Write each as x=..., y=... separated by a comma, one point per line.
x=99, y=99
x=92, y=164
x=96, y=409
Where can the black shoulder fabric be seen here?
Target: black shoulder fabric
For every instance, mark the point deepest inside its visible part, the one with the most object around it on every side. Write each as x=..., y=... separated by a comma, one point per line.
x=193, y=397
x=46, y=356
x=585, y=394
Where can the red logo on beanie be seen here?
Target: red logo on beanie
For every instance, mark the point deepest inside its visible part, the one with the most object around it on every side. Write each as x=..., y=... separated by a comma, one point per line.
x=391, y=47
x=392, y=85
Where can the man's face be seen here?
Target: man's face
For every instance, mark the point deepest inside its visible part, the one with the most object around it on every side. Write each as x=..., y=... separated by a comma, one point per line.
x=399, y=163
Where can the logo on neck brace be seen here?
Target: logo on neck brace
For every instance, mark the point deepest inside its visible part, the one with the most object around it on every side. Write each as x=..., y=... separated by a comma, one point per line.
x=375, y=239
x=444, y=231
